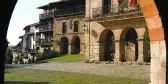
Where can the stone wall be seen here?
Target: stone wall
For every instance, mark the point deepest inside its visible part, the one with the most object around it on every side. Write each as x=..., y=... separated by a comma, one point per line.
x=117, y=27
x=69, y=34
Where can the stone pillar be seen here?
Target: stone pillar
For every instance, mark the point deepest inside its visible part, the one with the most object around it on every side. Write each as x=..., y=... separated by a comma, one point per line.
x=69, y=48
x=140, y=51
x=158, y=62
x=115, y=5
x=94, y=51
x=157, y=42
x=117, y=51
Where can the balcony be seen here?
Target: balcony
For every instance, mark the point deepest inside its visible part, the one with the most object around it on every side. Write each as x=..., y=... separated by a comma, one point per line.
x=29, y=33
x=69, y=11
x=46, y=42
x=47, y=15
x=46, y=28
x=116, y=12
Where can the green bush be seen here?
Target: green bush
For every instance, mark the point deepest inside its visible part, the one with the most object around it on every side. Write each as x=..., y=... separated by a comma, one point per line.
x=147, y=40
x=47, y=55
x=53, y=54
x=16, y=60
x=8, y=56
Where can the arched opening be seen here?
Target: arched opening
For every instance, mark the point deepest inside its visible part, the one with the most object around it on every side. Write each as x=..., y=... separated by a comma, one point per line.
x=147, y=14
x=107, y=46
x=75, y=45
x=128, y=45
x=64, y=46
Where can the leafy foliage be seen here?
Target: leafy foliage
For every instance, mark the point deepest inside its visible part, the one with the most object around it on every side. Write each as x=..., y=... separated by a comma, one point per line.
x=8, y=56
x=47, y=55
x=147, y=40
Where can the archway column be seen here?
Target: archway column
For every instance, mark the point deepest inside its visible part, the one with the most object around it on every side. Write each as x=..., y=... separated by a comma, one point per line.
x=69, y=49
x=94, y=49
x=140, y=51
x=117, y=51
x=158, y=62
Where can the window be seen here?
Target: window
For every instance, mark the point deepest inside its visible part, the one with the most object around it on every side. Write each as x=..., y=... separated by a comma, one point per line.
x=106, y=6
x=76, y=26
x=64, y=27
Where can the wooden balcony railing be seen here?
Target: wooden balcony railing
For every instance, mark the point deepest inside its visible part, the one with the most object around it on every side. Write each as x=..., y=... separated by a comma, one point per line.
x=115, y=11
x=47, y=15
x=69, y=11
x=46, y=28
x=46, y=42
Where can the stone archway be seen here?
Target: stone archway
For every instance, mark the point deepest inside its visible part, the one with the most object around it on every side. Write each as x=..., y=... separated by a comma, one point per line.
x=75, y=45
x=131, y=45
x=107, y=46
x=64, y=45
x=128, y=45
x=154, y=23
x=157, y=41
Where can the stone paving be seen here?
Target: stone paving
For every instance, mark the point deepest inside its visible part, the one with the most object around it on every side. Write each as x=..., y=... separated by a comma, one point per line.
x=112, y=70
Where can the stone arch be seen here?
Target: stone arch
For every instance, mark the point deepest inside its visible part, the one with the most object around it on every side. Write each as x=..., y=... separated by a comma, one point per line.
x=157, y=41
x=143, y=45
x=64, y=45
x=128, y=45
x=154, y=24
x=75, y=45
x=107, y=45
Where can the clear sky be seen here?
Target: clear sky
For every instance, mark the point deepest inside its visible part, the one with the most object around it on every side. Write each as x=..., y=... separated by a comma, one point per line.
x=25, y=13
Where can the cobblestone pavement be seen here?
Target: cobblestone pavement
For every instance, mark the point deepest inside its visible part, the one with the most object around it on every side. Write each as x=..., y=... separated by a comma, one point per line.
x=113, y=70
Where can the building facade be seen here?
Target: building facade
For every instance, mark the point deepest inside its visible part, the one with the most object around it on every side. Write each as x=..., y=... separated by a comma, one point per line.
x=117, y=30
x=46, y=27
x=68, y=23
x=30, y=39
x=66, y=19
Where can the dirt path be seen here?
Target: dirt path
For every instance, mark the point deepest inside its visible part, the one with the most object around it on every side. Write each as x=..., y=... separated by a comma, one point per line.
x=128, y=71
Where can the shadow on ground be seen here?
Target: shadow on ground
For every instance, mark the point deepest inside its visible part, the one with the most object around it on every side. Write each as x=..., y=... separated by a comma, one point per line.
x=10, y=66
x=22, y=82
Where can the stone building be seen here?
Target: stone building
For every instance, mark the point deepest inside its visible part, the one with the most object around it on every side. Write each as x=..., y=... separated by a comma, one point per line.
x=67, y=18
x=117, y=28
x=114, y=29
x=46, y=27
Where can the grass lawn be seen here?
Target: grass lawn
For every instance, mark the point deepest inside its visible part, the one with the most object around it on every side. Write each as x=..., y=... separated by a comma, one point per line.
x=56, y=77
x=78, y=57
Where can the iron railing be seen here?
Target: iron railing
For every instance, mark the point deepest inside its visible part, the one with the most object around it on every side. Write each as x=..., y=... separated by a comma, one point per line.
x=115, y=10
x=47, y=15
x=46, y=28
x=69, y=11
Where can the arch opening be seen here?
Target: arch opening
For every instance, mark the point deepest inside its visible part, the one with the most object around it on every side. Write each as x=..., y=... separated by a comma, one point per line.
x=107, y=46
x=75, y=45
x=128, y=45
x=64, y=46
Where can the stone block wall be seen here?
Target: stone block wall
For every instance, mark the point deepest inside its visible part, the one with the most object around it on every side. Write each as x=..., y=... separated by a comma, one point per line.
x=70, y=33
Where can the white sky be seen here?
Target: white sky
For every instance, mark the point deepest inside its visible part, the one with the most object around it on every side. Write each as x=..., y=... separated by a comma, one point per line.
x=25, y=13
